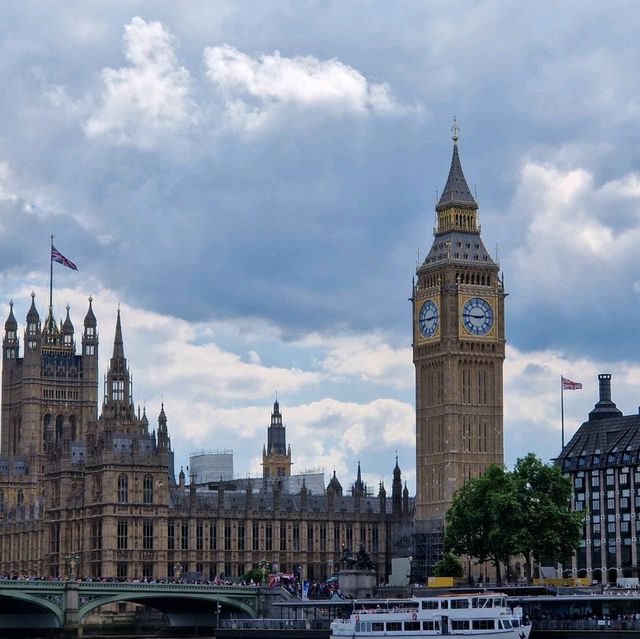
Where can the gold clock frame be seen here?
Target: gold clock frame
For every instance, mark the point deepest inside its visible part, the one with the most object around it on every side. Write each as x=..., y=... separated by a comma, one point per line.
x=419, y=303
x=463, y=333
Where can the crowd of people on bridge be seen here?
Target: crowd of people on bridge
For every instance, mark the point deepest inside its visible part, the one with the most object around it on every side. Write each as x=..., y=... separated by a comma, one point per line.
x=133, y=580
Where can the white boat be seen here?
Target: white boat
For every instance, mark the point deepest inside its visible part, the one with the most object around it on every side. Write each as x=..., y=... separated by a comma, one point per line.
x=485, y=615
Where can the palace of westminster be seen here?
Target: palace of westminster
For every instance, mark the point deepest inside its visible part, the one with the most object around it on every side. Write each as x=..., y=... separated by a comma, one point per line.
x=97, y=483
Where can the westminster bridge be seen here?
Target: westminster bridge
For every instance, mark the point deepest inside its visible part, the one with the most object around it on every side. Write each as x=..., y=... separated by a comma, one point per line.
x=65, y=604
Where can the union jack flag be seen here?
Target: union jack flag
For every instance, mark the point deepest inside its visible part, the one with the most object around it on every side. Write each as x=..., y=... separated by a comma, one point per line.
x=567, y=384
x=56, y=256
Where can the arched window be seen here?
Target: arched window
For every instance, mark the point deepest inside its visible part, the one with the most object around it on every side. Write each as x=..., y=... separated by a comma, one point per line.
x=147, y=489
x=46, y=428
x=59, y=421
x=73, y=422
x=1, y=501
x=97, y=488
x=123, y=489
x=20, y=498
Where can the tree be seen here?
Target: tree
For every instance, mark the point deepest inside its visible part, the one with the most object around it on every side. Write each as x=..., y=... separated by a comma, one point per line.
x=449, y=566
x=550, y=531
x=526, y=511
x=484, y=517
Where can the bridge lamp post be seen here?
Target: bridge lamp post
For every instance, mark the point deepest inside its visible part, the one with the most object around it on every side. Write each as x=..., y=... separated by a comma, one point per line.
x=217, y=614
x=263, y=569
x=72, y=560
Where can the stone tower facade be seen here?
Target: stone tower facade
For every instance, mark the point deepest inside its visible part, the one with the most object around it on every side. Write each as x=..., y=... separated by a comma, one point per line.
x=276, y=457
x=458, y=352
x=50, y=392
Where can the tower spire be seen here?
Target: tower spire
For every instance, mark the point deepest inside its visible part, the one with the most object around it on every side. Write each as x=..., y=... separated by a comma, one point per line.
x=118, y=344
x=456, y=191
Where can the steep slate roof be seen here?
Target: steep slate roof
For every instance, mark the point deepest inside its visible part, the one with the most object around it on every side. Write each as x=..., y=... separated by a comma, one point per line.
x=456, y=246
x=608, y=439
x=603, y=443
x=456, y=190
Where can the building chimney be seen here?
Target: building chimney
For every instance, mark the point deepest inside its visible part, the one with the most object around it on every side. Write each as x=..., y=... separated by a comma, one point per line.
x=605, y=408
x=604, y=380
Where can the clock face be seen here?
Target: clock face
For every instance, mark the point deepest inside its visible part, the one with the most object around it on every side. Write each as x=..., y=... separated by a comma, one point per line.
x=477, y=316
x=428, y=319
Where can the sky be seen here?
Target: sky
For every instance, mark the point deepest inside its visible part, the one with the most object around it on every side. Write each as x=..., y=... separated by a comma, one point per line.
x=254, y=182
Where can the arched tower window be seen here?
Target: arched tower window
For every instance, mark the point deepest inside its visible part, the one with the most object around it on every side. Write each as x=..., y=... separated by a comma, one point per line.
x=20, y=498
x=97, y=488
x=46, y=426
x=59, y=421
x=1, y=501
x=147, y=489
x=123, y=489
x=73, y=422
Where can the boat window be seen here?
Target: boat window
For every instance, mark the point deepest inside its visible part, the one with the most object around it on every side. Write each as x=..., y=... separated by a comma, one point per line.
x=506, y=623
x=430, y=604
x=515, y=622
x=444, y=603
x=482, y=602
x=483, y=624
x=459, y=603
x=377, y=626
x=460, y=624
x=431, y=625
x=412, y=625
x=394, y=626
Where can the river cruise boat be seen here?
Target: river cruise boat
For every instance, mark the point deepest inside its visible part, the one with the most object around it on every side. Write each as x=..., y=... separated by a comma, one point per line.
x=485, y=615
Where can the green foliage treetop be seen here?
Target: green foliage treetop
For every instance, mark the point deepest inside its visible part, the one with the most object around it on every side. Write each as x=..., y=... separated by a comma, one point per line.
x=449, y=566
x=504, y=513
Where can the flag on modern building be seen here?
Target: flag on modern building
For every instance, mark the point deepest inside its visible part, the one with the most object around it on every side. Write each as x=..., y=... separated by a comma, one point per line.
x=567, y=384
x=56, y=256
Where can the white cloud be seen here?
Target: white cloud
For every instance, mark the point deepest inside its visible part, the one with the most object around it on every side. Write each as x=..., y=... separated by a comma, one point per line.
x=367, y=357
x=257, y=89
x=575, y=231
x=6, y=190
x=150, y=98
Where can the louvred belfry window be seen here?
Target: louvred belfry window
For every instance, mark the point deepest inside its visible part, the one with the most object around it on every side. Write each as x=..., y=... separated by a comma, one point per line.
x=118, y=390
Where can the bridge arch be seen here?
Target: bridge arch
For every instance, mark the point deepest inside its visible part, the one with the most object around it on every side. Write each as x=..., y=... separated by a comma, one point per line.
x=157, y=597
x=40, y=601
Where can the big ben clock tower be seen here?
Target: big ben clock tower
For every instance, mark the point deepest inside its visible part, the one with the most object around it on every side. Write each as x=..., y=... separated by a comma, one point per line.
x=458, y=352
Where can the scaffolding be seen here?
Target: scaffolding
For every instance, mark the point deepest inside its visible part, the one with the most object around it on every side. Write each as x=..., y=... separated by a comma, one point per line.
x=428, y=545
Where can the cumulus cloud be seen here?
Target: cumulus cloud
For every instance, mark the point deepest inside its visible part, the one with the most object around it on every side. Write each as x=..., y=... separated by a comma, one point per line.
x=6, y=191
x=255, y=90
x=367, y=357
x=148, y=99
x=575, y=231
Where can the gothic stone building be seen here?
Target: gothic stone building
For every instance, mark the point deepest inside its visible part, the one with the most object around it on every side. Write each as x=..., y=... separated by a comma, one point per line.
x=101, y=486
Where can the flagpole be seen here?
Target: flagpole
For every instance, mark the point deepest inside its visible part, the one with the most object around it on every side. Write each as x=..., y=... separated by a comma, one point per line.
x=51, y=276
x=562, y=408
